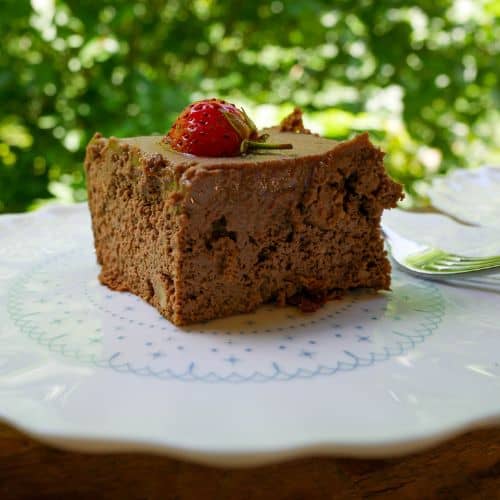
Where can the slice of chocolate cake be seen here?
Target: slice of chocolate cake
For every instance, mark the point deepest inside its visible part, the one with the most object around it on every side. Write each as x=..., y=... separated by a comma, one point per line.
x=201, y=238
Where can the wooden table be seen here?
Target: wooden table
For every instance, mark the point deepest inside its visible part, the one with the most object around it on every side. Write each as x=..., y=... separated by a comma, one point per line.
x=466, y=467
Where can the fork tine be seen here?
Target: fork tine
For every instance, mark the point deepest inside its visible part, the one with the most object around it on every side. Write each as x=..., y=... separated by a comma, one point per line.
x=476, y=263
x=436, y=260
x=452, y=270
x=455, y=263
x=422, y=258
x=446, y=272
x=463, y=258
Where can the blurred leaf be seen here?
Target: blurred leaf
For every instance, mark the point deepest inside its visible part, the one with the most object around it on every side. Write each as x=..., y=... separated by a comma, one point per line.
x=422, y=79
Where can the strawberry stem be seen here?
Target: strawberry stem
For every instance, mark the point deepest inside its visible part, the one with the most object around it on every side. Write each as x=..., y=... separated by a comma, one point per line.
x=247, y=146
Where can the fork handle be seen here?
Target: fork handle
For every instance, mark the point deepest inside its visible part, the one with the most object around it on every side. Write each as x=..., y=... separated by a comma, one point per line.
x=485, y=284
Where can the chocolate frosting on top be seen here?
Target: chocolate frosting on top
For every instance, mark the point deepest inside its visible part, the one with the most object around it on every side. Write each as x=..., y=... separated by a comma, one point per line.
x=304, y=145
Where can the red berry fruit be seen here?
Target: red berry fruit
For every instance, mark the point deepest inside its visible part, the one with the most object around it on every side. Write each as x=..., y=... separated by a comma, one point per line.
x=213, y=127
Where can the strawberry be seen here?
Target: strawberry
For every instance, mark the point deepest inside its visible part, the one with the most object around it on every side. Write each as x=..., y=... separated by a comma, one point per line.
x=213, y=127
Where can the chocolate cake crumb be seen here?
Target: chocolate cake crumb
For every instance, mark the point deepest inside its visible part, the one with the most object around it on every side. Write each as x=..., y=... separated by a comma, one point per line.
x=293, y=123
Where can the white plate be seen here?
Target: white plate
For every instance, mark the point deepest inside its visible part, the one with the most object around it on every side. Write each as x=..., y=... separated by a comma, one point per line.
x=85, y=368
x=470, y=195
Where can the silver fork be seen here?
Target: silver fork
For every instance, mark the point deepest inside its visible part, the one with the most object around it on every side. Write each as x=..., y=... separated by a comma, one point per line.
x=433, y=263
x=437, y=261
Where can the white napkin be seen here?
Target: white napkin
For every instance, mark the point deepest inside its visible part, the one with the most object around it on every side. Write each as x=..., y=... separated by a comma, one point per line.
x=470, y=195
x=442, y=232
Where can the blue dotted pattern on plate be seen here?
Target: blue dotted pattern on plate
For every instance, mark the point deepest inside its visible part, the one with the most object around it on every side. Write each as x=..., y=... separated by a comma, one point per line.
x=85, y=321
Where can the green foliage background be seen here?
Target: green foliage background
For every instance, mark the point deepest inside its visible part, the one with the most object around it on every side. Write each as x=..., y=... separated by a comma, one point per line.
x=422, y=77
